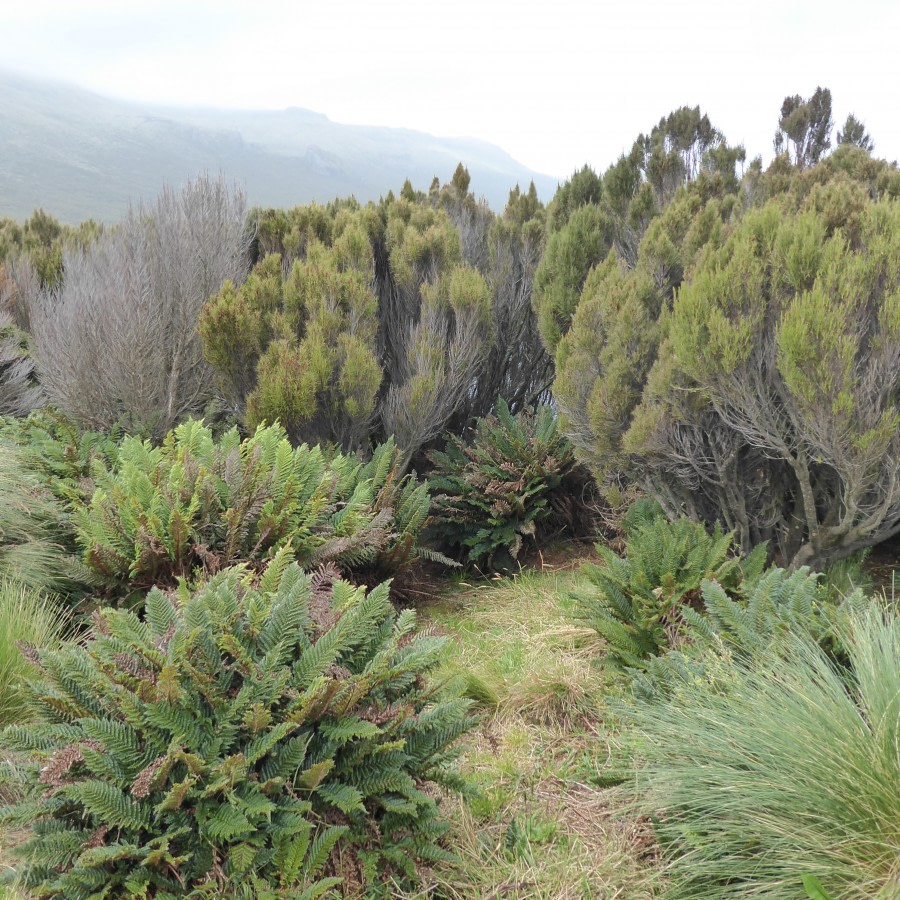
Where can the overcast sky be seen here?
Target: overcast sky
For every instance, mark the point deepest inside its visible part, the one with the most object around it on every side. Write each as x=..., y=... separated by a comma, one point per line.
x=556, y=84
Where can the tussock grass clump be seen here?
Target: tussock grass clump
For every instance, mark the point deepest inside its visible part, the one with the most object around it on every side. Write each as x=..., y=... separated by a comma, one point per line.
x=521, y=656
x=30, y=525
x=782, y=767
x=30, y=618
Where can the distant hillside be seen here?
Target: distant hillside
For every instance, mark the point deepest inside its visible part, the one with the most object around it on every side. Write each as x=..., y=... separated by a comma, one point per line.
x=79, y=155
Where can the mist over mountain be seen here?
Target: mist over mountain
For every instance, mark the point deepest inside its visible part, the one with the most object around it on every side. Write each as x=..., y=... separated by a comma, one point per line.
x=79, y=155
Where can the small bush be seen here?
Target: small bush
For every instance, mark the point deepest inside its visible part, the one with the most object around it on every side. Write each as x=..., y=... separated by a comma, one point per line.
x=196, y=503
x=260, y=737
x=28, y=617
x=516, y=479
x=116, y=340
x=640, y=601
x=791, y=773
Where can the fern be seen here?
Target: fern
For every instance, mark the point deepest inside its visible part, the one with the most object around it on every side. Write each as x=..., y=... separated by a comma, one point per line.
x=515, y=481
x=219, y=749
x=197, y=504
x=778, y=606
x=639, y=603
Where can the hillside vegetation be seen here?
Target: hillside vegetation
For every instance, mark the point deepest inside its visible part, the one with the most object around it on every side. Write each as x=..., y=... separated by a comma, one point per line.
x=413, y=549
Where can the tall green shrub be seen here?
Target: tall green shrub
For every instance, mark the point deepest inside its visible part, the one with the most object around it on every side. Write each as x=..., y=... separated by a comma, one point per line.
x=741, y=364
x=259, y=737
x=405, y=318
x=299, y=346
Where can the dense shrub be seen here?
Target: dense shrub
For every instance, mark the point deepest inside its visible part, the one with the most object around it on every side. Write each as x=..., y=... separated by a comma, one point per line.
x=256, y=738
x=639, y=602
x=300, y=346
x=404, y=318
x=741, y=365
x=116, y=340
x=591, y=216
x=791, y=771
x=513, y=480
x=30, y=617
x=157, y=514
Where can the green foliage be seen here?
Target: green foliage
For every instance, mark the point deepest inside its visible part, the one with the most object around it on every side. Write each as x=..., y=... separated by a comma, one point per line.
x=512, y=481
x=641, y=513
x=406, y=318
x=804, y=128
x=369, y=322
x=641, y=601
x=32, y=524
x=584, y=188
x=236, y=736
x=159, y=514
x=42, y=239
x=771, y=608
x=773, y=771
x=605, y=283
x=59, y=453
x=299, y=344
x=854, y=133
x=740, y=365
x=621, y=319
x=28, y=618
x=785, y=332
x=570, y=254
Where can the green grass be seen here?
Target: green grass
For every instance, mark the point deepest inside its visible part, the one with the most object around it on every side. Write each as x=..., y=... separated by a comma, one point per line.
x=537, y=824
x=769, y=771
x=30, y=523
x=30, y=617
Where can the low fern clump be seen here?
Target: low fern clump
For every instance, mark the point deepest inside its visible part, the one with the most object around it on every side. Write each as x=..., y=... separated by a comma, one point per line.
x=515, y=478
x=266, y=735
x=777, y=606
x=638, y=602
x=780, y=771
x=195, y=503
x=60, y=454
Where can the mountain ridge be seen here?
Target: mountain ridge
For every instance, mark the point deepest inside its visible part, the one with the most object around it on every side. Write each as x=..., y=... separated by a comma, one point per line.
x=80, y=155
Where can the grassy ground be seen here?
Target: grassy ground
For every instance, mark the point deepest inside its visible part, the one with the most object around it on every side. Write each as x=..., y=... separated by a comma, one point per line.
x=540, y=824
